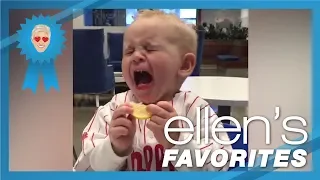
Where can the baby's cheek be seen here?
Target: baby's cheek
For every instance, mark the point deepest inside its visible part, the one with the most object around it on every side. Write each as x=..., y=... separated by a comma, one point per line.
x=166, y=70
x=125, y=70
x=125, y=66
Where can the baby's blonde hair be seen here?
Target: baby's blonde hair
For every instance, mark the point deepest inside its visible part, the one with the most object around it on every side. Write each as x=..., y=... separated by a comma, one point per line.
x=184, y=35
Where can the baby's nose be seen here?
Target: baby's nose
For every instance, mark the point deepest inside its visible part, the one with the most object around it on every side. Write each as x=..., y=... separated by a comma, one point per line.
x=138, y=57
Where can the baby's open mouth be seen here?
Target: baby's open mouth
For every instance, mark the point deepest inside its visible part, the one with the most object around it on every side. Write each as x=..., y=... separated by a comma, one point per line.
x=142, y=79
x=41, y=46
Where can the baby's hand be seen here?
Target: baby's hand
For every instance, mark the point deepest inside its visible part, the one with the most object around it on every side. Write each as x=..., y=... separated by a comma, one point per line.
x=161, y=113
x=122, y=130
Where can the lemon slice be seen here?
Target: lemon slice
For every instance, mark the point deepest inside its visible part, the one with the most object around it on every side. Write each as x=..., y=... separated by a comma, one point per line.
x=140, y=111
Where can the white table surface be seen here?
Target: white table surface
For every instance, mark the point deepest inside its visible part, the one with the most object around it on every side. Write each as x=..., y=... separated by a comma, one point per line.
x=118, y=74
x=222, y=91
x=118, y=77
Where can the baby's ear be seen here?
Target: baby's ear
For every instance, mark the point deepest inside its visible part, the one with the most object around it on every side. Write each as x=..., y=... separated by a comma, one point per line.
x=188, y=64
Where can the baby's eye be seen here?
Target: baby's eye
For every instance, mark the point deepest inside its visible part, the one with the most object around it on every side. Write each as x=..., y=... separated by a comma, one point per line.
x=128, y=52
x=150, y=48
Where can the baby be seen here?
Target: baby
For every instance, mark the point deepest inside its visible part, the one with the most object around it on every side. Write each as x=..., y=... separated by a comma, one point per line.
x=159, y=54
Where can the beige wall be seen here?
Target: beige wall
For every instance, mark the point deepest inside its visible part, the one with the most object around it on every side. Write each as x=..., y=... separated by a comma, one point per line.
x=279, y=70
x=40, y=124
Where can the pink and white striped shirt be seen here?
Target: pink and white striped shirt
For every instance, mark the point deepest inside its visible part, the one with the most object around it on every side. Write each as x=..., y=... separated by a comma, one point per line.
x=97, y=153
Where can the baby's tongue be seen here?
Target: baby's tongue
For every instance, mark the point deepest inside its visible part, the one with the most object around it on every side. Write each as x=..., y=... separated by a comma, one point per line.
x=143, y=86
x=143, y=80
x=146, y=79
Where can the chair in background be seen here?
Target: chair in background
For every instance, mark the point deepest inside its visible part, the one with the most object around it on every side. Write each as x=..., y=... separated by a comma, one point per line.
x=91, y=74
x=227, y=58
x=196, y=71
x=237, y=145
x=115, y=45
x=223, y=61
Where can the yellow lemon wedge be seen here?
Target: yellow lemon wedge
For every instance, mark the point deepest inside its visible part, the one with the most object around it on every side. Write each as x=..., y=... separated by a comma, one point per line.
x=140, y=111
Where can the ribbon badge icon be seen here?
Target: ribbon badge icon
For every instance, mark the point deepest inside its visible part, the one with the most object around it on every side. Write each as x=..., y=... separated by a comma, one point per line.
x=41, y=40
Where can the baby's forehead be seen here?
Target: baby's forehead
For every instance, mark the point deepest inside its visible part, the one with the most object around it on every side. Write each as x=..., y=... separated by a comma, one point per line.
x=148, y=22
x=152, y=25
x=171, y=31
x=147, y=30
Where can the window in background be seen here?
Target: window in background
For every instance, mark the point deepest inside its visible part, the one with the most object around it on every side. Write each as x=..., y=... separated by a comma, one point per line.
x=188, y=15
x=130, y=15
x=245, y=17
x=105, y=17
x=124, y=17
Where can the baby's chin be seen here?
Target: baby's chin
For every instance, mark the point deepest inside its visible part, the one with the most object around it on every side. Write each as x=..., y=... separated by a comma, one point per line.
x=147, y=99
x=152, y=98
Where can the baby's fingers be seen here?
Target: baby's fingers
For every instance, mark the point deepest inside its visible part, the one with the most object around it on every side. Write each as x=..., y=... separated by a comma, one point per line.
x=119, y=131
x=123, y=122
x=122, y=111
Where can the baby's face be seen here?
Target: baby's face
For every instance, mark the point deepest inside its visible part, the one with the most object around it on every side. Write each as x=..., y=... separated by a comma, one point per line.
x=150, y=62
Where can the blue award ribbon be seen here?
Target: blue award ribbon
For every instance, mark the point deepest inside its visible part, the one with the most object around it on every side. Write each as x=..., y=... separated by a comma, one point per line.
x=41, y=63
x=34, y=72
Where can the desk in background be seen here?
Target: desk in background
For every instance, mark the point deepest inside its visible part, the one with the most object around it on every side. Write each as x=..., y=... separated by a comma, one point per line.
x=223, y=92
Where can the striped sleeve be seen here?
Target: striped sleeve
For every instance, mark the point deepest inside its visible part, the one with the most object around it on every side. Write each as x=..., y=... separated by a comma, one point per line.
x=97, y=153
x=191, y=104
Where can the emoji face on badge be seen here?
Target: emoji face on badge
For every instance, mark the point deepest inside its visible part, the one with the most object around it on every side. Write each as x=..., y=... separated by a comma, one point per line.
x=40, y=37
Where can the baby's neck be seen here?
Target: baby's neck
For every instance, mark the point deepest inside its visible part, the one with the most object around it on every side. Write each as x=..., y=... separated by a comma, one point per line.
x=169, y=96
